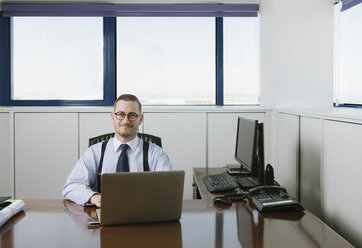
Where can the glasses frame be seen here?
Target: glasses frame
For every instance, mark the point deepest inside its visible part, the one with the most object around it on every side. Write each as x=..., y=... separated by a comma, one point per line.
x=118, y=117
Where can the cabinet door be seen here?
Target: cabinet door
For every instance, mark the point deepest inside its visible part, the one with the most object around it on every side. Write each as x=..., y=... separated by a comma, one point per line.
x=288, y=152
x=6, y=175
x=221, y=136
x=92, y=125
x=183, y=139
x=342, y=184
x=46, y=149
x=310, y=150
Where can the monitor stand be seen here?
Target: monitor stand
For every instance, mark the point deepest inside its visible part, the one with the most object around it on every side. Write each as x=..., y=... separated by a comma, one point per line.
x=236, y=169
x=248, y=182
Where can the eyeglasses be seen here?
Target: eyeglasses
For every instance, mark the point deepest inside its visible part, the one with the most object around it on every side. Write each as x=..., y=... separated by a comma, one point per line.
x=131, y=116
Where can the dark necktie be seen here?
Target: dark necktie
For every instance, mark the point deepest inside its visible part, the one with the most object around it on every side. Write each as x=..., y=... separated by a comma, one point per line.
x=122, y=164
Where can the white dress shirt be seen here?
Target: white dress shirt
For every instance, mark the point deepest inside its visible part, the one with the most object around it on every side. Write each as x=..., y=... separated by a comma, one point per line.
x=82, y=182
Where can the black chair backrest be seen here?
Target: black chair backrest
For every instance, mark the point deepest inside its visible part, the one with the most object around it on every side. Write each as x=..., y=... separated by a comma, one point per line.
x=144, y=136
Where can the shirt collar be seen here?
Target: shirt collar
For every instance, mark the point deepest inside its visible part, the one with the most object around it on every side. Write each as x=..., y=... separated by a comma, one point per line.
x=132, y=144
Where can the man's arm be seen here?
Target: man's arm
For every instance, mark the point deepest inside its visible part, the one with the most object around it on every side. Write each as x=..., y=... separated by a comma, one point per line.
x=96, y=200
x=158, y=159
x=83, y=176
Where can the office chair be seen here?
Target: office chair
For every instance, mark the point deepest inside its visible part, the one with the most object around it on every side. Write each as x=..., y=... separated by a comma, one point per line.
x=144, y=136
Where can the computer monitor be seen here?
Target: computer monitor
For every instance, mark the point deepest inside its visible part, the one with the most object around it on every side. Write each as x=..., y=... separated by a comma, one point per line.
x=249, y=151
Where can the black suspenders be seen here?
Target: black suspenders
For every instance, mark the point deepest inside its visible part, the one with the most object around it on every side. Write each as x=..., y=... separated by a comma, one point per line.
x=104, y=144
x=99, y=172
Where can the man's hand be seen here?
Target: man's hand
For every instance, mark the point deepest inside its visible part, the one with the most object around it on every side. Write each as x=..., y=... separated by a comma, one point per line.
x=96, y=200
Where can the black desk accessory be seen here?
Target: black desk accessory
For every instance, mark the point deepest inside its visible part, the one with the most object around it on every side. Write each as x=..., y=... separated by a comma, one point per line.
x=235, y=169
x=222, y=200
x=272, y=198
x=229, y=198
x=4, y=198
x=269, y=175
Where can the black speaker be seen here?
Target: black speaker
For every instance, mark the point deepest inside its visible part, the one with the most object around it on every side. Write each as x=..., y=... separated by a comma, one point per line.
x=269, y=175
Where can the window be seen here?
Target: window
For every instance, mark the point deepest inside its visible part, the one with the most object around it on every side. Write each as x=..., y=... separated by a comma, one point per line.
x=241, y=61
x=184, y=54
x=62, y=57
x=166, y=60
x=348, y=56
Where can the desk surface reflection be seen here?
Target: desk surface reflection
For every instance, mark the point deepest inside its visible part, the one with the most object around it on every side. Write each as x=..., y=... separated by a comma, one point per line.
x=61, y=223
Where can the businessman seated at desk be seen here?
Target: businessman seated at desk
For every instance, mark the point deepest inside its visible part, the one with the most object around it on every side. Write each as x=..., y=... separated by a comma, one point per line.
x=123, y=153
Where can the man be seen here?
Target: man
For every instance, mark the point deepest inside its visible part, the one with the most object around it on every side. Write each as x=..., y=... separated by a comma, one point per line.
x=81, y=186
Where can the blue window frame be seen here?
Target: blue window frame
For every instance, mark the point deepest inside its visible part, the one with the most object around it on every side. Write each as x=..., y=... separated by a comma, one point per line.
x=219, y=62
x=109, y=74
x=109, y=24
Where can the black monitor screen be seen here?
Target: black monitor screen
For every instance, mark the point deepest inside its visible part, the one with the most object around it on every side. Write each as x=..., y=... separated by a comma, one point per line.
x=245, y=148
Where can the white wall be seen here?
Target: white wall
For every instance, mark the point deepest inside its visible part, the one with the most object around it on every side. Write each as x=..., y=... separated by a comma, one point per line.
x=6, y=172
x=296, y=57
x=183, y=139
x=286, y=167
x=342, y=201
x=221, y=137
x=92, y=125
x=310, y=141
x=46, y=149
x=324, y=149
x=296, y=53
x=47, y=143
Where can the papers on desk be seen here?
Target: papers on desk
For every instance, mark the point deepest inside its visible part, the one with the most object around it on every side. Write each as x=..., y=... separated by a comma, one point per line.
x=13, y=207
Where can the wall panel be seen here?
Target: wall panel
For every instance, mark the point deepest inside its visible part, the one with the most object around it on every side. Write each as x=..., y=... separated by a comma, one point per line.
x=342, y=170
x=288, y=152
x=6, y=175
x=221, y=136
x=310, y=164
x=46, y=146
x=183, y=139
x=92, y=125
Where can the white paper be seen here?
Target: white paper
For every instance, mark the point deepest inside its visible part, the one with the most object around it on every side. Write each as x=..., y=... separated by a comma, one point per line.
x=11, y=210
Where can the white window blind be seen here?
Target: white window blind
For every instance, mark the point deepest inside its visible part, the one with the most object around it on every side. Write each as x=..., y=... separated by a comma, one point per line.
x=348, y=55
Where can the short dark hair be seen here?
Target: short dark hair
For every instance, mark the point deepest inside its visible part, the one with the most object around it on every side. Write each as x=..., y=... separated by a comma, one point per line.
x=128, y=97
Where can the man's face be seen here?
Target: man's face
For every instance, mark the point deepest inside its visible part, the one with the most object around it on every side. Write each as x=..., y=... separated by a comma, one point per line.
x=125, y=129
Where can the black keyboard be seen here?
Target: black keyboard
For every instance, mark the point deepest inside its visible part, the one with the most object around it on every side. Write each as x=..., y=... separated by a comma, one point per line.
x=220, y=182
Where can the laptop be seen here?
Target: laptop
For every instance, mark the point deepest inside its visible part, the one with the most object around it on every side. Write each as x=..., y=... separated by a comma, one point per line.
x=141, y=197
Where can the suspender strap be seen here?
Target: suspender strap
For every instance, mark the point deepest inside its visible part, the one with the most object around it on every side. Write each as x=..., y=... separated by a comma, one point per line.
x=145, y=156
x=104, y=144
x=99, y=172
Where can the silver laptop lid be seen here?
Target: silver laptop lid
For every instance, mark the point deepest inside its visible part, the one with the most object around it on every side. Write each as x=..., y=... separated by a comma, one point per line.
x=141, y=197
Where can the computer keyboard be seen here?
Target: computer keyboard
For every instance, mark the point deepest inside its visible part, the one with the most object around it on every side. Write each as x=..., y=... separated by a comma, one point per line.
x=220, y=182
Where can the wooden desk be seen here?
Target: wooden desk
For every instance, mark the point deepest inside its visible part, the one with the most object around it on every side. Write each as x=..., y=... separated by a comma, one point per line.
x=306, y=230
x=61, y=223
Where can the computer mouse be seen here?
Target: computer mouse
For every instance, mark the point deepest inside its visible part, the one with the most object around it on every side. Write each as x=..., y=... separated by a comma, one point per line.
x=222, y=200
